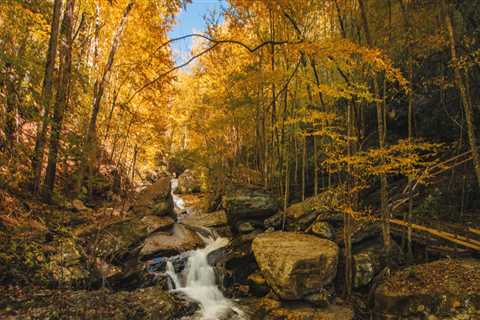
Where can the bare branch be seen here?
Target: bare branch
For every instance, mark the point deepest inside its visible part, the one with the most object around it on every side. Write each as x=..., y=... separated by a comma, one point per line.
x=164, y=74
x=231, y=41
x=215, y=42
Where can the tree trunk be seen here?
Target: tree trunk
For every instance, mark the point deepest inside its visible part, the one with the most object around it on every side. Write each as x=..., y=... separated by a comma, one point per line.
x=89, y=149
x=463, y=88
x=381, y=137
x=46, y=98
x=10, y=110
x=408, y=236
x=61, y=99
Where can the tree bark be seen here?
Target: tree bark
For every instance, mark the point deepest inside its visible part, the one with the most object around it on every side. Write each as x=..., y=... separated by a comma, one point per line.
x=405, y=11
x=89, y=149
x=46, y=98
x=463, y=89
x=61, y=99
x=381, y=136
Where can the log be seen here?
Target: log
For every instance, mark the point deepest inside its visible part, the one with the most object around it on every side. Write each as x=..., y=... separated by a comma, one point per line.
x=454, y=238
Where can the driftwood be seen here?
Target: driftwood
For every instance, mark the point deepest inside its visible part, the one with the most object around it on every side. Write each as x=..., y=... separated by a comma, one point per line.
x=451, y=237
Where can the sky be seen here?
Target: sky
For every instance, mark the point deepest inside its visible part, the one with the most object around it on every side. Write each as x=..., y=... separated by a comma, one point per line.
x=189, y=21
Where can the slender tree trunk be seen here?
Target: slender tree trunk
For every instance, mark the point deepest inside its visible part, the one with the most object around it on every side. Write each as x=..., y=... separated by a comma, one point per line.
x=134, y=162
x=304, y=165
x=381, y=138
x=347, y=227
x=406, y=15
x=89, y=149
x=110, y=115
x=61, y=99
x=46, y=98
x=463, y=89
x=10, y=110
x=274, y=97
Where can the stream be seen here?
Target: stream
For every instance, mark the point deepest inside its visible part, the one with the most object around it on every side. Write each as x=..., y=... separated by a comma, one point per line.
x=198, y=280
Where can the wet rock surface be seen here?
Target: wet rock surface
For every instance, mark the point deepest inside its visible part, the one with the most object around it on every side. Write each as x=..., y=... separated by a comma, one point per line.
x=207, y=220
x=119, y=240
x=155, y=199
x=181, y=239
x=247, y=206
x=295, y=264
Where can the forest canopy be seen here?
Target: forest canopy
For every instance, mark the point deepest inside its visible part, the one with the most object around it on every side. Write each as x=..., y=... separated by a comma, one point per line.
x=364, y=108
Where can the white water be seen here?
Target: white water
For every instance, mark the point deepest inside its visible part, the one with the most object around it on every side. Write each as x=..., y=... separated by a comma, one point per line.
x=199, y=284
x=178, y=203
x=198, y=279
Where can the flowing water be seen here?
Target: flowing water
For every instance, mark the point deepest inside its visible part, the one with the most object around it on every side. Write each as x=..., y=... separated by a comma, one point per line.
x=198, y=279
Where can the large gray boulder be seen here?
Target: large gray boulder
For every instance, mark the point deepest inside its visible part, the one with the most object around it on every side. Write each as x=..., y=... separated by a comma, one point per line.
x=444, y=289
x=169, y=244
x=247, y=206
x=117, y=240
x=206, y=220
x=155, y=199
x=294, y=264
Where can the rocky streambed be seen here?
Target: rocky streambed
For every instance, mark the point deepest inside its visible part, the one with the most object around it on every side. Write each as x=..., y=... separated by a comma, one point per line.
x=171, y=258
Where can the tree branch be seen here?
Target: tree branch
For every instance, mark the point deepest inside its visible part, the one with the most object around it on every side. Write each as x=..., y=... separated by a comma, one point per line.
x=215, y=42
x=231, y=41
x=164, y=74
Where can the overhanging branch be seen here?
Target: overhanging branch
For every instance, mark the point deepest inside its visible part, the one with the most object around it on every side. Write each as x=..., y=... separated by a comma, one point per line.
x=215, y=42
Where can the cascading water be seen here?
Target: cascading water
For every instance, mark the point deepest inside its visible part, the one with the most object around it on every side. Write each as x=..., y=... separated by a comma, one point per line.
x=198, y=279
x=199, y=284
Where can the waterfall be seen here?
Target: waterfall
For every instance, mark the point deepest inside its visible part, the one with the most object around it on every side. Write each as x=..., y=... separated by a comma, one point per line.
x=199, y=284
x=198, y=279
x=170, y=271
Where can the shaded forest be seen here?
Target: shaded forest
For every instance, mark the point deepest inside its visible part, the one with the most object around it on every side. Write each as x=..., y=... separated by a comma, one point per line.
x=307, y=160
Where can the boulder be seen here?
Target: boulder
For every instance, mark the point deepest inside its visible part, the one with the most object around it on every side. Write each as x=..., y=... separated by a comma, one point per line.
x=155, y=199
x=368, y=261
x=245, y=227
x=274, y=222
x=156, y=223
x=315, y=205
x=322, y=229
x=136, y=276
x=269, y=309
x=153, y=175
x=168, y=244
x=444, y=289
x=118, y=239
x=234, y=263
x=189, y=182
x=295, y=264
x=250, y=206
x=258, y=285
x=206, y=220
x=303, y=223
x=321, y=299
x=361, y=231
